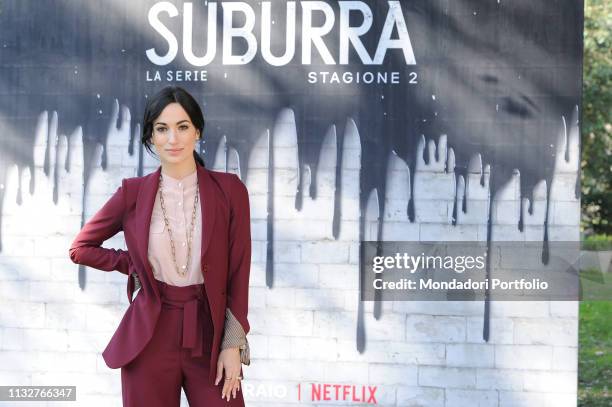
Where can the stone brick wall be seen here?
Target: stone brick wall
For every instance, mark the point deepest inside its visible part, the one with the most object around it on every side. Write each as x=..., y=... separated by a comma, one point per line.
x=304, y=327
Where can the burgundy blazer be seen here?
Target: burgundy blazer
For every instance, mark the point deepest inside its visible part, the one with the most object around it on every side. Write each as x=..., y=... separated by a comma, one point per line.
x=225, y=256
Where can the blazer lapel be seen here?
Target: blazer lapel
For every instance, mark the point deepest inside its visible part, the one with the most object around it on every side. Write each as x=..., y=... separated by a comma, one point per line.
x=144, y=211
x=208, y=207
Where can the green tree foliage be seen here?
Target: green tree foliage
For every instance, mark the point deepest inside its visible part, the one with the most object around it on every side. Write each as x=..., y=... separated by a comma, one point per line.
x=596, y=162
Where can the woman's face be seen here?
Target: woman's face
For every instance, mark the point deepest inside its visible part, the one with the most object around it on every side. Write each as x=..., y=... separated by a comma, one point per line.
x=174, y=135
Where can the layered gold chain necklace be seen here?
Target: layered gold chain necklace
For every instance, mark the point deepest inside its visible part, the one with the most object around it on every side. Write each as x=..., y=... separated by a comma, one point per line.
x=181, y=271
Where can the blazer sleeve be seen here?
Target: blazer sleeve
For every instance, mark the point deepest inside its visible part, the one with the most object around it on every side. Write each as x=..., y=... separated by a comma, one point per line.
x=108, y=221
x=239, y=253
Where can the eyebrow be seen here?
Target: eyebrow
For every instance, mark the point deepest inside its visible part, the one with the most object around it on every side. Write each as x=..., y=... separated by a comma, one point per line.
x=176, y=122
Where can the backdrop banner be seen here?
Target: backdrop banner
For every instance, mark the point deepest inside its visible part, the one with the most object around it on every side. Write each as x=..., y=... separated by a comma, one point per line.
x=350, y=122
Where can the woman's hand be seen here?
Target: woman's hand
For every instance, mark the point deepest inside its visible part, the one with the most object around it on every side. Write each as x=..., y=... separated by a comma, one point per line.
x=229, y=360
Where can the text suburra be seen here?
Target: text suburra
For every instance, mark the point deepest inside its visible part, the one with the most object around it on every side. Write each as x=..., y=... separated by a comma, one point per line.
x=311, y=37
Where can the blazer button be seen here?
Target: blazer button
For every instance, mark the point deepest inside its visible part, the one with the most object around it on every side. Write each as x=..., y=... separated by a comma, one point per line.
x=205, y=268
x=222, y=292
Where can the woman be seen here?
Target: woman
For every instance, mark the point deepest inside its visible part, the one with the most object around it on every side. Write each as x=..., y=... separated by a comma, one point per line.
x=187, y=231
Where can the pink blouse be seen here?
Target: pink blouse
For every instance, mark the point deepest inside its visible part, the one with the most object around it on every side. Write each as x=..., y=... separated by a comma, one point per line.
x=179, y=196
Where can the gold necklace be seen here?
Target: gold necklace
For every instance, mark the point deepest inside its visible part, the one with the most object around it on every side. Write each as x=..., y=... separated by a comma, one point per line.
x=183, y=270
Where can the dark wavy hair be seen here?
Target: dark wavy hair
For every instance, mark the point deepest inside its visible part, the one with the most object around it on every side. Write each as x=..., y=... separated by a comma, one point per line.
x=159, y=101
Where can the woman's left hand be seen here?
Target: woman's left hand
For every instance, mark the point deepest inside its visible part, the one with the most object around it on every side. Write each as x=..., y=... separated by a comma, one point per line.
x=229, y=360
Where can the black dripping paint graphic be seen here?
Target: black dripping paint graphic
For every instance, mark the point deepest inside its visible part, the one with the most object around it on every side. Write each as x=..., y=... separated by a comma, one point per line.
x=499, y=80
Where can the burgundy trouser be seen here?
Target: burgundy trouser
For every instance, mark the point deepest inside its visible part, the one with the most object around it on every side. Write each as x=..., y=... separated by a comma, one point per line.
x=178, y=355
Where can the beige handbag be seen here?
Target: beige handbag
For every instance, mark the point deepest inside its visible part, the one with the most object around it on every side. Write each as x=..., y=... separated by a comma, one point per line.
x=245, y=353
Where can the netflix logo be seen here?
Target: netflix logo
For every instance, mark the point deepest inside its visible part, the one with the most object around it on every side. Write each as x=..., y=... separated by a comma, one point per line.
x=337, y=392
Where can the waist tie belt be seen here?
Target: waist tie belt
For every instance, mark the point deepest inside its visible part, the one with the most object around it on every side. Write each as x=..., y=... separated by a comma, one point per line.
x=193, y=302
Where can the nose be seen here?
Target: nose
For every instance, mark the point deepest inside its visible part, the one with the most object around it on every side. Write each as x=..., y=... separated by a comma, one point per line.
x=171, y=136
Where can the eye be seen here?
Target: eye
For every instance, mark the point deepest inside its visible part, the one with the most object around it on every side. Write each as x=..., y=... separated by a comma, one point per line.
x=160, y=129
x=183, y=127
